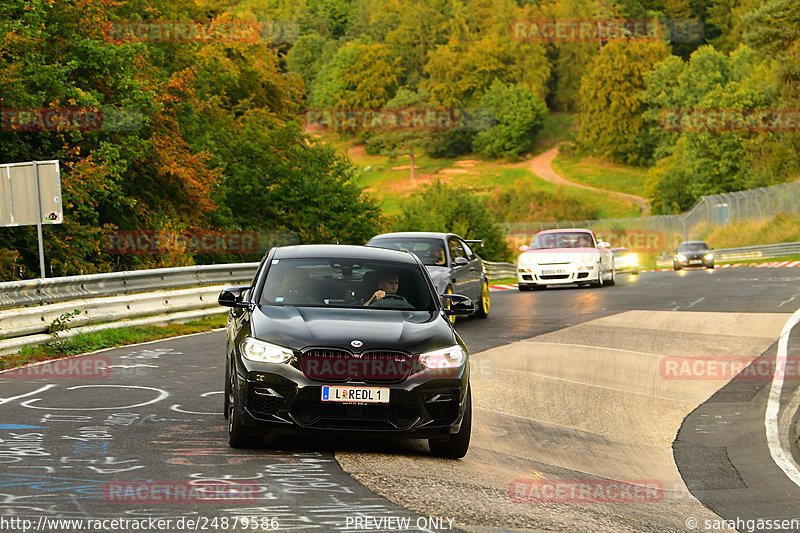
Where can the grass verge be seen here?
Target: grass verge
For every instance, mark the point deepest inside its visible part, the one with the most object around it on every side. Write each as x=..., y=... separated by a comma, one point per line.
x=107, y=338
x=601, y=174
x=783, y=227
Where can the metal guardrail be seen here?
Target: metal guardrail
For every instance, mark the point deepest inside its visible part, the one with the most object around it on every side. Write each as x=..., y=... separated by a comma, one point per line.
x=30, y=320
x=53, y=290
x=500, y=270
x=767, y=251
x=28, y=308
x=745, y=253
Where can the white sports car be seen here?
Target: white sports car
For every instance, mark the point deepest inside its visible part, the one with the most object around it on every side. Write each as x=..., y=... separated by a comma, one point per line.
x=563, y=256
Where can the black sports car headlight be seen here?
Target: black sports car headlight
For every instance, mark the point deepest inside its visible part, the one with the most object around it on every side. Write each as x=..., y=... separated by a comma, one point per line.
x=264, y=352
x=451, y=357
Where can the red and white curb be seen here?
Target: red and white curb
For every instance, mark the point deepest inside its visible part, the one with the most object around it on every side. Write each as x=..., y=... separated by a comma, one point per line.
x=493, y=288
x=774, y=264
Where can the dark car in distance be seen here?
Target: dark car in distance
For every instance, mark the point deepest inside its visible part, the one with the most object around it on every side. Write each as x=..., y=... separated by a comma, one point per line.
x=693, y=254
x=351, y=340
x=452, y=264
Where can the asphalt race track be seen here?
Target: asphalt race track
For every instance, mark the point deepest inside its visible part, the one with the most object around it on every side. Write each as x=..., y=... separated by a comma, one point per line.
x=614, y=388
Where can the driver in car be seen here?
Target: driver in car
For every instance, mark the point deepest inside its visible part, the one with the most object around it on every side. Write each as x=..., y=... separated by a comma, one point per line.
x=387, y=284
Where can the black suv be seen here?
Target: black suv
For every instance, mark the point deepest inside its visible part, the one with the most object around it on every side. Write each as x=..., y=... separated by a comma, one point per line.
x=346, y=339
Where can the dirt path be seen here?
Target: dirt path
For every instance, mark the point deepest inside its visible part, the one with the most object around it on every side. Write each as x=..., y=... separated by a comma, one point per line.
x=541, y=165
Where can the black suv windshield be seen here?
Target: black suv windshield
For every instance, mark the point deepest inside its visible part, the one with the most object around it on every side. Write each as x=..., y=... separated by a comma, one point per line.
x=346, y=283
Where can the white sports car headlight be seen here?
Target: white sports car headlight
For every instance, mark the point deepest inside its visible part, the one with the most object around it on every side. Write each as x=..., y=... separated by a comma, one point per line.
x=264, y=352
x=451, y=357
x=589, y=258
x=526, y=260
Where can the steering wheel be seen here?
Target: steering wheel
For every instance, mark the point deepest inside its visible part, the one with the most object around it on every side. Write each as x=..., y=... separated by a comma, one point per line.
x=392, y=296
x=389, y=296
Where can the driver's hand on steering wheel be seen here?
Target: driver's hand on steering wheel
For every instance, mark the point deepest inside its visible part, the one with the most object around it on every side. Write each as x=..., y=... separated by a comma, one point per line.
x=381, y=294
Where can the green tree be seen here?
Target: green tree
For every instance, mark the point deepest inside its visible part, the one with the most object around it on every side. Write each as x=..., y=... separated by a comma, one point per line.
x=410, y=30
x=725, y=26
x=440, y=207
x=610, y=118
x=307, y=56
x=459, y=73
x=401, y=142
x=362, y=76
x=281, y=180
x=696, y=161
x=519, y=115
x=213, y=114
x=774, y=30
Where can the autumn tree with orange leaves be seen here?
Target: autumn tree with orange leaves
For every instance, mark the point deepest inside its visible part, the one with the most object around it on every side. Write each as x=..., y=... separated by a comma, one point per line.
x=203, y=117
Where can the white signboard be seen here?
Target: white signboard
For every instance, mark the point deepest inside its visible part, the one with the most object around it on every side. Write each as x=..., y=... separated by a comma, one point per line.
x=22, y=203
x=30, y=195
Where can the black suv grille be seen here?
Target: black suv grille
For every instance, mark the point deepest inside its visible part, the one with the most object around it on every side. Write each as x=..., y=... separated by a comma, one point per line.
x=339, y=366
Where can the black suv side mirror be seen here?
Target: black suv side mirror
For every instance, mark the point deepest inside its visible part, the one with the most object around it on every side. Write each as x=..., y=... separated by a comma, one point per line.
x=459, y=305
x=232, y=297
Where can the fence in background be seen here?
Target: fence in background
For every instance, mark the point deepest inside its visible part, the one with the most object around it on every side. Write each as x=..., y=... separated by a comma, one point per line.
x=709, y=211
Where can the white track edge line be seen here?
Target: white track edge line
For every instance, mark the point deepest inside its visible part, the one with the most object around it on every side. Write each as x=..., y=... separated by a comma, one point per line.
x=784, y=460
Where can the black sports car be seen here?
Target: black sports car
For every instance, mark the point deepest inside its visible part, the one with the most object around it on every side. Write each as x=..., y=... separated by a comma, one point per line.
x=332, y=338
x=453, y=266
x=692, y=254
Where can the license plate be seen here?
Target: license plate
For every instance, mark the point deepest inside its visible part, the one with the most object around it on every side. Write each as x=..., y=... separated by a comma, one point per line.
x=553, y=272
x=355, y=394
x=695, y=262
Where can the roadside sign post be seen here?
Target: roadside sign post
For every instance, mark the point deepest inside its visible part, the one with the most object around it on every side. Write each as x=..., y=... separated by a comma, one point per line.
x=30, y=194
x=39, y=218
